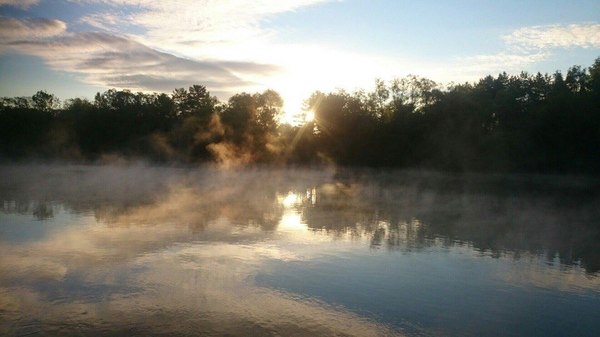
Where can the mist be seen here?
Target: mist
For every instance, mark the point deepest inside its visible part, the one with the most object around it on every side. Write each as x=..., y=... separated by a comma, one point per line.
x=499, y=214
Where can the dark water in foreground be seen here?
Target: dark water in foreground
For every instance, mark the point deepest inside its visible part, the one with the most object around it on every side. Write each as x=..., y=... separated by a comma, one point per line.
x=157, y=251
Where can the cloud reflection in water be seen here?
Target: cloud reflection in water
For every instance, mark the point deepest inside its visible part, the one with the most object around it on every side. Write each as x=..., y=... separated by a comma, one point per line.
x=178, y=251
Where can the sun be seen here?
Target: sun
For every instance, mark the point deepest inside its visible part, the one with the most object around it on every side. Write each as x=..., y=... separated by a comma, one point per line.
x=297, y=119
x=292, y=110
x=309, y=116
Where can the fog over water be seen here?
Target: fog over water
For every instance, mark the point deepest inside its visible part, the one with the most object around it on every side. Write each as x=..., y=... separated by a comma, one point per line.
x=142, y=250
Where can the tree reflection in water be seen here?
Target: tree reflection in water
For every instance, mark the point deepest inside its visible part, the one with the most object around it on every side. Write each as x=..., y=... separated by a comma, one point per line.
x=496, y=215
x=133, y=249
x=396, y=210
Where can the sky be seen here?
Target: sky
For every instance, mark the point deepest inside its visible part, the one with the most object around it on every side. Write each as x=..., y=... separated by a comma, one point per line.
x=75, y=48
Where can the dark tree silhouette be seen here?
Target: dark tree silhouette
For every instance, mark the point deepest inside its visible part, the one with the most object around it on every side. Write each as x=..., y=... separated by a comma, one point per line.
x=507, y=123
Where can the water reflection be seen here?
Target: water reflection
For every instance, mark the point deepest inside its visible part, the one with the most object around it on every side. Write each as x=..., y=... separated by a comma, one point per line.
x=142, y=250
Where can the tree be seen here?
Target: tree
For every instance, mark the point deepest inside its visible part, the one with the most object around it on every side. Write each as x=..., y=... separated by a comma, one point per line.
x=196, y=101
x=577, y=79
x=413, y=90
x=268, y=109
x=594, y=83
x=43, y=101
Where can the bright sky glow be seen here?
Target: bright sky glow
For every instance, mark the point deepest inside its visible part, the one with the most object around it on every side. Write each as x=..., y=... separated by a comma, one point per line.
x=78, y=47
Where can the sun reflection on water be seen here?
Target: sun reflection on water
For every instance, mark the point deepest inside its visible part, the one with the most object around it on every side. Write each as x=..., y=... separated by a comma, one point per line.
x=291, y=219
x=290, y=200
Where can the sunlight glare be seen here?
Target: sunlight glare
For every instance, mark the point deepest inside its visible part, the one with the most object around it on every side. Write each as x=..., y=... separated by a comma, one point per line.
x=309, y=116
x=292, y=109
x=304, y=66
x=290, y=200
x=291, y=220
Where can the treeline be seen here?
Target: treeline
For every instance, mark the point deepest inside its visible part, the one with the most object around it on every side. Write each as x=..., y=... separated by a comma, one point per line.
x=523, y=123
x=187, y=126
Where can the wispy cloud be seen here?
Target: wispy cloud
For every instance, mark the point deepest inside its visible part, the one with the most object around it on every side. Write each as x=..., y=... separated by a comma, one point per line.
x=473, y=67
x=23, y=4
x=116, y=61
x=105, y=21
x=28, y=29
x=194, y=28
x=555, y=36
x=527, y=46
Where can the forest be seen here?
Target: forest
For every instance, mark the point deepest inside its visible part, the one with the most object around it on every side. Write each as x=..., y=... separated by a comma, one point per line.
x=525, y=123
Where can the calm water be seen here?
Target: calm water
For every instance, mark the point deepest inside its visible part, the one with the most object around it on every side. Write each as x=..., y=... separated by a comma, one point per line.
x=161, y=251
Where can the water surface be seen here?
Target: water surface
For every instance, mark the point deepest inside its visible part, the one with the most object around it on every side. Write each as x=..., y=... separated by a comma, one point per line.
x=137, y=250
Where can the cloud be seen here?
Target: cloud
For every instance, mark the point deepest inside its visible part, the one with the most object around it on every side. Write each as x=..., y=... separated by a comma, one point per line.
x=118, y=61
x=23, y=4
x=172, y=47
x=27, y=29
x=195, y=28
x=526, y=46
x=474, y=66
x=109, y=22
x=555, y=36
